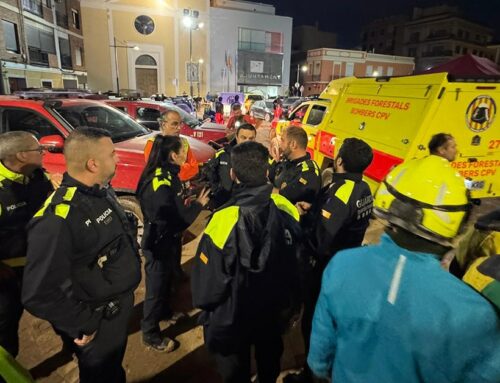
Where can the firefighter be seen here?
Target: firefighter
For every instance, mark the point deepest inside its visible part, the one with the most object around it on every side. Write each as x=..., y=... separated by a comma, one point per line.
x=245, y=271
x=170, y=125
x=296, y=177
x=337, y=221
x=82, y=260
x=389, y=312
x=218, y=168
x=166, y=217
x=23, y=188
x=443, y=145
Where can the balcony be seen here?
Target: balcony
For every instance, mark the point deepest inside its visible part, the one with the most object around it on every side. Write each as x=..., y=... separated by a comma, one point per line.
x=62, y=19
x=440, y=36
x=33, y=6
x=441, y=53
x=37, y=57
x=66, y=62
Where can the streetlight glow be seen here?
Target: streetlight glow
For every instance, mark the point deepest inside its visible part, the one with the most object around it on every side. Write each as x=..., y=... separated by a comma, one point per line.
x=200, y=25
x=187, y=21
x=201, y=61
x=136, y=48
x=304, y=68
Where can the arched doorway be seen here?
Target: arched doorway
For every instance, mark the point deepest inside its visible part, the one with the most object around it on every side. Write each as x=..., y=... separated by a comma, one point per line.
x=146, y=75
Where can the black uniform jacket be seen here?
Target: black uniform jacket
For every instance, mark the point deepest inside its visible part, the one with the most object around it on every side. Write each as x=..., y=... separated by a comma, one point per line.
x=297, y=180
x=20, y=198
x=340, y=217
x=164, y=208
x=81, y=254
x=218, y=175
x=245, y=272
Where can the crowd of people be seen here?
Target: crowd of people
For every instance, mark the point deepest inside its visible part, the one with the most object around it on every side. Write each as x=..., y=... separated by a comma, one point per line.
x=279, y=247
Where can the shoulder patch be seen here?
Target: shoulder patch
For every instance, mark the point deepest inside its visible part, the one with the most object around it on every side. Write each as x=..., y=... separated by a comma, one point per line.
x=344, y=192
x=285, y=205
x=326, y=214
x=221, y=225
x=219, y=152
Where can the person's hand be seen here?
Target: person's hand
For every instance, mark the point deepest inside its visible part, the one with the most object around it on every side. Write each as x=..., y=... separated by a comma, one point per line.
x=84, y=340
x=56, y=179
x=275, y=151
x=203, y=198
x=303, y=207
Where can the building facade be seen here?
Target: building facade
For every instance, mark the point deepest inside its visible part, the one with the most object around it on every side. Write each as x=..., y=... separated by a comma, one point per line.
x=325, y=65
x=151, y=46
x=250, y=48
x=431, y=35
x=41, y=45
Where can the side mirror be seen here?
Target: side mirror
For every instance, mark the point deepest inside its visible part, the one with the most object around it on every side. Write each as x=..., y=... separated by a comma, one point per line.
x=54, y=143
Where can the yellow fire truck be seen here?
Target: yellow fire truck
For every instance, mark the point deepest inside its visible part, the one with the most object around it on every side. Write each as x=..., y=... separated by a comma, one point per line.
x=398, y=116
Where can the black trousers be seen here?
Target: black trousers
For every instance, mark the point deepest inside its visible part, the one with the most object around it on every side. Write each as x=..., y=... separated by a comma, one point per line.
x=11, y=310
x=311, y=290
x=100, y=361
x=160, y=269
x=234, y=367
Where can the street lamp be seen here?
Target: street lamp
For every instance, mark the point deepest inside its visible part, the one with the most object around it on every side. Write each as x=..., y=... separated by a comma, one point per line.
x=134, y=47
x=303, y=69
x=190, y=20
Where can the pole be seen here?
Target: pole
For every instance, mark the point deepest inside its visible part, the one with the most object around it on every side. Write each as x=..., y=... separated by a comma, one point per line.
x=191, y=61
x=116, y=68
x=298, y=71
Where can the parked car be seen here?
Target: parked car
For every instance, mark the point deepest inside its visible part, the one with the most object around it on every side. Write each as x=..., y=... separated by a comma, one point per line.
x=147, y=113
x=250, y=99
x=52, y=120
x=262, y=109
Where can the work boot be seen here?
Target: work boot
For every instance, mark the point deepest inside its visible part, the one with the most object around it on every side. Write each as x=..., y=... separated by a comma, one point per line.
x=159, y=344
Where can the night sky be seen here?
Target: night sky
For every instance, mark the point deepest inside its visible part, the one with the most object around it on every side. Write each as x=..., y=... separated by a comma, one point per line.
x=345, y=17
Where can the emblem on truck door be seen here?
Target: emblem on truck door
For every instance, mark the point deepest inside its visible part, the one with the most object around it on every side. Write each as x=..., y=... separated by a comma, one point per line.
x=481, y=113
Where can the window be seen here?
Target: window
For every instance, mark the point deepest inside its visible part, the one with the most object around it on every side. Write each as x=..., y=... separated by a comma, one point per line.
x=48, y=3
x=390, y=71
x=145, y=60
x=75, y=16
x=65, y=53
x=10, y=35
x=47, y=84
x=17, y=119
x=464, y=51
x=317, y=68
x=78, y=56
x=70, y=84
x=349, y=69
x=316, y=115
x=457, y=49
x=148, y=114
x=412, y=52
x=260, y=41
x=41, y=38
x=299, y=113
x=369, y=70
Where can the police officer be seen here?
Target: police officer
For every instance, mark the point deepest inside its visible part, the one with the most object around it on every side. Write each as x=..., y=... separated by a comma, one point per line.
x=166, y=217
x=218, y=168
x=296, y=176
x=337, y=221
x=82, y=260
x=23, y=188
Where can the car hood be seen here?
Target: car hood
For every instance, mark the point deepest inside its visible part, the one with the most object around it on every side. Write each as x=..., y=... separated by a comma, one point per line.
x=202, y=151
x=212, y=126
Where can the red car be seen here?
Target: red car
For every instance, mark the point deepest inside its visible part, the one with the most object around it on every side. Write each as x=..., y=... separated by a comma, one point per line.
x=52, y=120
x=148, y=112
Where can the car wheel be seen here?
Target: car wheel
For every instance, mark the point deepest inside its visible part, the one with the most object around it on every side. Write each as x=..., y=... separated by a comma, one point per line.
x=131, y=205
x=267, y=117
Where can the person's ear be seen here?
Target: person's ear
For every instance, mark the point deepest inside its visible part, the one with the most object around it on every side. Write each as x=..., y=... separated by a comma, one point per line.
x=91, y=165
x=173, y=157
x=21, y=156
x=232, y=174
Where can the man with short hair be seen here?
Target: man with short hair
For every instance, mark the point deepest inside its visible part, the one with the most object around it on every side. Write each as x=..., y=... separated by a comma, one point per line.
x=237, y=119
x=245, y=271
x=443, y=145
x=218, y=168
x=389, y=312
x=337, y=220
x=170, y=125
x=83, y=262
x=296, y=177
x=23, y=187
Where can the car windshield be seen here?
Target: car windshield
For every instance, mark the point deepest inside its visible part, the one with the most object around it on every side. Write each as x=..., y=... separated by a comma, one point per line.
x=269, y=104
x=186, y=117
x=119, y=125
